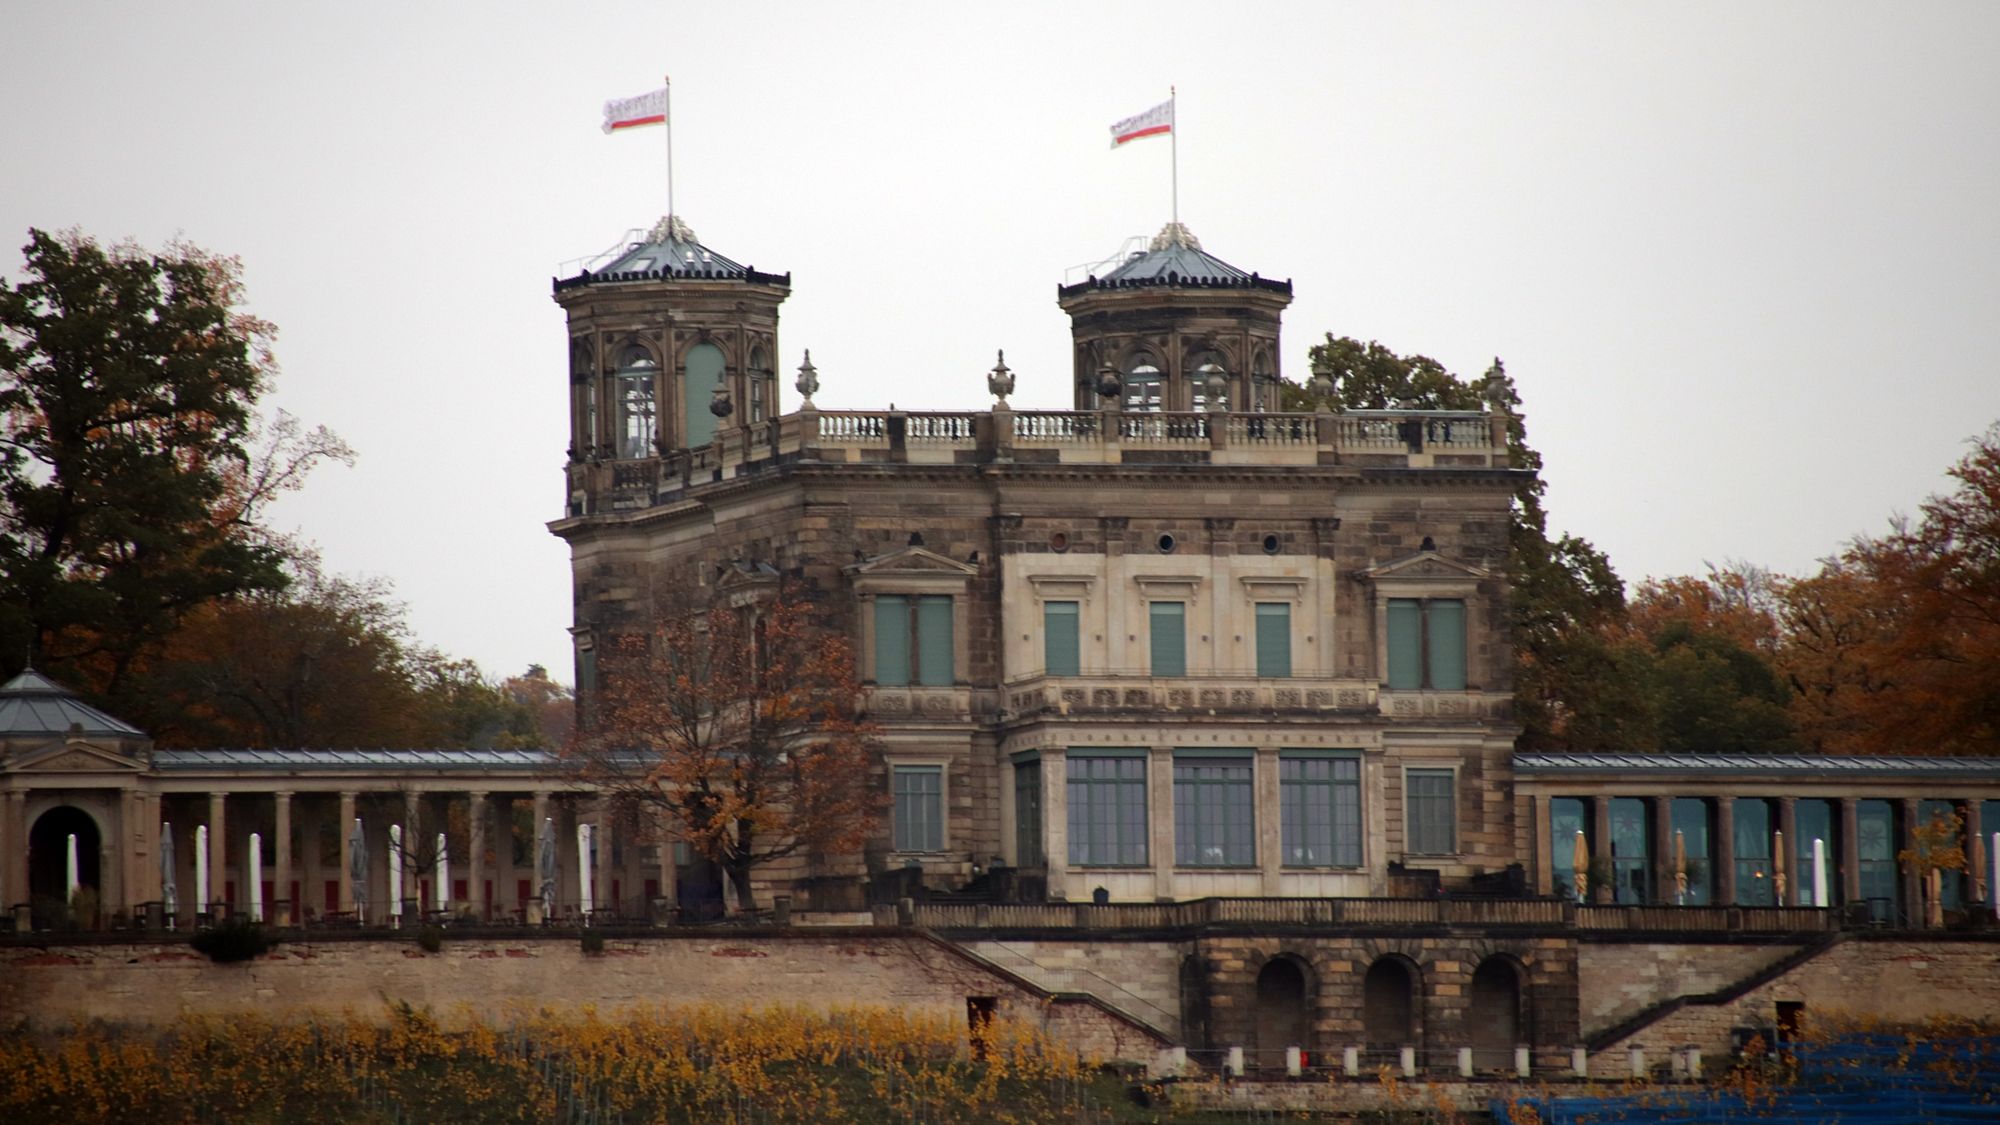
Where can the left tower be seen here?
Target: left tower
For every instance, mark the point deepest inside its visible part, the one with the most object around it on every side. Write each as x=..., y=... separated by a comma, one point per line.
x=671, y=347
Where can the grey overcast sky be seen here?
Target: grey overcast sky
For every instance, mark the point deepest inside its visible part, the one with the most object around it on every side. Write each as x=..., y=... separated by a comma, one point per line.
x=1743, y=260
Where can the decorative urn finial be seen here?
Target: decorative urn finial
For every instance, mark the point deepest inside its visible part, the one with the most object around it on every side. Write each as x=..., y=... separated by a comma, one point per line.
x=1218, y=391
x=808, y=383
x=718, y=402
x=1108, y=383
x=1000, y=381
x=1322, y=381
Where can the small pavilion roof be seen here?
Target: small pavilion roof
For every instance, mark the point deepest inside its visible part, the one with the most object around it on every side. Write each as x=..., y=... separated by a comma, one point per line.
x=32, y=704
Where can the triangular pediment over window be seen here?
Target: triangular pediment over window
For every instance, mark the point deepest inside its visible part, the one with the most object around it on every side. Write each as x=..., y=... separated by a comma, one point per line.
x=1426, y=565
x=912, y=560
x=72, y=757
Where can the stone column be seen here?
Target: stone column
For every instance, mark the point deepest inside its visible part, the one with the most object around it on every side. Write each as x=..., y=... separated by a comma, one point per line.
x=1160, y=820
x=14, y=849
x=1913, y=883
x=281, y=887
x=1848, y=876
x=1974, y=831
x=1663, y=848
x=535, y=914
x=1788, y=823
x=312, y=814
x=1055, y=820
x=413, y=846
x=476, y=813
x=1600, y=831
x=1722, y=851
x=1268, y=809
x=129, y=858
x=1545, y=855
x=218, y=831
x=346, y=873
x=669, y=871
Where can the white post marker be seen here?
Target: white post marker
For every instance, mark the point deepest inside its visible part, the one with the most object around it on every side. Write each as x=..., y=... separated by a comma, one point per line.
x=256, y=877
x=201, y=869
x=1350, y=1061
x=1235, y=1063
x=1523, y=1062
x=1465, y=1062
x=1819, y=872
x=70, y=879
x=1295, y=1063
x=583, y=858
x=441, y=898
x=395, y=874
x=1409, y=1062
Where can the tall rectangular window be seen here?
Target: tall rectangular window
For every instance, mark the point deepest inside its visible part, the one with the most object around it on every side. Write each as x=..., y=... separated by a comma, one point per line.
x=919, y=792
x=1814, y=817
x=1875, y=844
x=1692, y=817
x=1060, y=637
x=1274, y=639
x=1107, y=809
x=1213, y=822
x=1426, y=644
x=1433, y=812
x=1568, y=818
x=1631, y=850
x=1319, y=801
x=1752, y=841
x=1028, y=813
x=913, y=640
x=1167, y=630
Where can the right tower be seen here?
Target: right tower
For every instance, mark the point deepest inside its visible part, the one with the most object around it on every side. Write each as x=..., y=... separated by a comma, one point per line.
x=1176, y=328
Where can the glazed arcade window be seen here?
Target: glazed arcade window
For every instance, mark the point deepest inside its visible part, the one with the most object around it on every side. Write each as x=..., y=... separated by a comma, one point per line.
x=913, y=640
x=1214, y=825
x=1426, y=644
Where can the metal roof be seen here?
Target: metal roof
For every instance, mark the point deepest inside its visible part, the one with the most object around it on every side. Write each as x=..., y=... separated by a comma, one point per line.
x=328, y=760
x=32, y=704
x=1879, y=765
x=1175, y=258
x=669, y=251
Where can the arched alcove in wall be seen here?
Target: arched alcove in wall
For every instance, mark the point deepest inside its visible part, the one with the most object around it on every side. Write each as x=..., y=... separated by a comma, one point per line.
x=1282, y=1011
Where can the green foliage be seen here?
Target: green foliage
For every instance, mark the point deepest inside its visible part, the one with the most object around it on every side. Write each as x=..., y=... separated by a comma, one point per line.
x=128, y=384
x=593, y=941
x=236, y=939
x=430, y=939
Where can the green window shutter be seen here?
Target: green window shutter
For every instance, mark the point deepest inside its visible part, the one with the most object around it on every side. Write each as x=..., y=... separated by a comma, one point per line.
x=1169, y=639
x=1274, y=639
x=892, y=640
x=934, y=641
x=1447, y=645
x=1406, y=644
x=1059, y=638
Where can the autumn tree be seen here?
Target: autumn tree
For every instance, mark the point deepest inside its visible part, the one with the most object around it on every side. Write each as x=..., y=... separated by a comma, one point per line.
x=742, y=724
x=133, y=467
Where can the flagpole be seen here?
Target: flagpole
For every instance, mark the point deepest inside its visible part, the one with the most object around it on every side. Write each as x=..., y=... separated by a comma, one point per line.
x=1174, y=135
x=670, y=144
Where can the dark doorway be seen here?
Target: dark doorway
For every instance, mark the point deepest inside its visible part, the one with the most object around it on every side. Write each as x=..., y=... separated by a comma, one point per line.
x=1194, y=1004
x=979, y=1011
x=1791, y=1020
x=1388, y=999
x=698, y=889
x=1281, y=1012
x=1496, y=1014
x=48, y=863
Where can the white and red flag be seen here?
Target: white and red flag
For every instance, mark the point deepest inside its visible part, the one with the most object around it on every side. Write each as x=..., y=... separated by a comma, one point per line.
x=628, y=113
x=1152, y=123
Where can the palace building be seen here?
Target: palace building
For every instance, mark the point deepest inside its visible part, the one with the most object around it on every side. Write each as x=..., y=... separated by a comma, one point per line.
x=1173, y=654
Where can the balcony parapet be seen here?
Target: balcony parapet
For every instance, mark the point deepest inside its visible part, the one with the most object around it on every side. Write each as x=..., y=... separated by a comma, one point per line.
x=1190, y=695
x=1546, y=914
x=598, y=482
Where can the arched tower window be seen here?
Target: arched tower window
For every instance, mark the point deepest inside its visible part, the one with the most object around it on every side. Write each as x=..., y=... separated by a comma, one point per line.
x=761, y=385
x=701, y=373
x=583, y=387
x=1207, y=364
x=1142, y=383
x=635, y=380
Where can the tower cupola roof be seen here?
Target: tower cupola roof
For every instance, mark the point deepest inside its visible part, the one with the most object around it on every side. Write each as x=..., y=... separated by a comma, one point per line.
x=1175, y=258
x=668, y=252
x=33, y=704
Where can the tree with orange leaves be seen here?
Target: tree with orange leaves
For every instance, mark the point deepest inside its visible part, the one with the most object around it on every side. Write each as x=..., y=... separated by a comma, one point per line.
x=742, y=724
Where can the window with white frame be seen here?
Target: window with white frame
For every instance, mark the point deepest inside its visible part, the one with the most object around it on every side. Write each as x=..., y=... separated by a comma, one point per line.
x=1431, y=804
x=1107, y=809
x=919, y=807
x=1319, y=798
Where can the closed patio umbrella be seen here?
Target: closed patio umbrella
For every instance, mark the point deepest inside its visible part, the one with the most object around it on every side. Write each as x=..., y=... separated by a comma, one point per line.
x=1680, y=868
x=169, y=890
x=545, y=859
x=1580, y=863
x=357, y=869
x=1778, y=866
